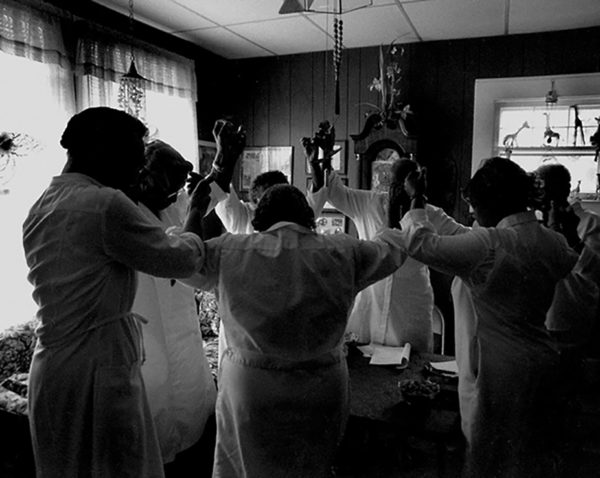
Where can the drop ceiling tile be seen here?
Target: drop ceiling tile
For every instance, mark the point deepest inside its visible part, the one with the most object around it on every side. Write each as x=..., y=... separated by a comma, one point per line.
x=284, y=36
x=161, y=14
x=224, y=43
x=231, y=12
x=450, y=19
x=370, y=27
x=548, y=15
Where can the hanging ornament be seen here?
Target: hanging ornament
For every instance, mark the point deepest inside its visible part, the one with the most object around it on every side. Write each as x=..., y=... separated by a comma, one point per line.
x=132, y=86
x=132, y=95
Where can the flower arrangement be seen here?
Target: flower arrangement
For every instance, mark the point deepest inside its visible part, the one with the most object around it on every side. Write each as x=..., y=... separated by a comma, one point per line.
x=391, y=110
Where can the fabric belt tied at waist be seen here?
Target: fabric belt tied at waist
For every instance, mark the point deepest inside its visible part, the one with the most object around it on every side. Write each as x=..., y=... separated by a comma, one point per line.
x=97, y=323
x=266, y=361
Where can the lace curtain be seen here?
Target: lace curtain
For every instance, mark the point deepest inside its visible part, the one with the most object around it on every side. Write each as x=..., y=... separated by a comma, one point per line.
x=170, y=88
x=37, y=98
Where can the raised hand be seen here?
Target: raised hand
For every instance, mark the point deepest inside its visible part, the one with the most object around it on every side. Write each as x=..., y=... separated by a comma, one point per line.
x=230, y=143
x=192, y=181
x=325, y=139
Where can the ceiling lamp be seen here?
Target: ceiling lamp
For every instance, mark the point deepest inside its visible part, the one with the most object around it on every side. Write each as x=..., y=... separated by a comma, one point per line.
x=132, y=94
x=323, y=6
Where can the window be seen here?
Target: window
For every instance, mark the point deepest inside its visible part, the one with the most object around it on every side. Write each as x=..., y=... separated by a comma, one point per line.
x=38, y=96
x=37, y=99
x=170, y=89
x=532, y=134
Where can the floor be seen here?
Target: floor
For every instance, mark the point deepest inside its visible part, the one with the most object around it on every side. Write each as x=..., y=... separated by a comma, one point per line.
x=369, y=449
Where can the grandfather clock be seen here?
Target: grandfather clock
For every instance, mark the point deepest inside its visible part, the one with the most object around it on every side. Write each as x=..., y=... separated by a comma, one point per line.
x=379, y=144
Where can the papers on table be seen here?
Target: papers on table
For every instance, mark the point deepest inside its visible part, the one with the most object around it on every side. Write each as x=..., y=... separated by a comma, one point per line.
x=385, y=355
x=447, y=368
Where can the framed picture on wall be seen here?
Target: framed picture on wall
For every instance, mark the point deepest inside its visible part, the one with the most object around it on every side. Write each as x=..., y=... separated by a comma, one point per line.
x=338, y=161
x=331, y=222
x=206, y=154
x=257, y=160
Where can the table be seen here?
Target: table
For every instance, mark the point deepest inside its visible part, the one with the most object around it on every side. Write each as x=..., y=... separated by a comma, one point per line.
x=374, y=390
x=378, y=409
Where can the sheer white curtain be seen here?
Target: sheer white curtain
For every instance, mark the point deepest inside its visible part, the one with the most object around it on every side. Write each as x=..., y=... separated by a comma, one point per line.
x=170, y=89
x=37, y=98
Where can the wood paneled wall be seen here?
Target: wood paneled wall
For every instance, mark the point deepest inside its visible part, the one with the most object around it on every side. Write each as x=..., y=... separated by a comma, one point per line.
x=281, y=99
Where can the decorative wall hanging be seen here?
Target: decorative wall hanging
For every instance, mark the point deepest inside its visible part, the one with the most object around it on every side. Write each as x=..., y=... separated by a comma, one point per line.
x=132, y=94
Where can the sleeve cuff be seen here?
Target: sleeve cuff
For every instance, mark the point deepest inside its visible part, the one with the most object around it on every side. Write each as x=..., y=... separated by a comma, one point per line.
x=413, y=216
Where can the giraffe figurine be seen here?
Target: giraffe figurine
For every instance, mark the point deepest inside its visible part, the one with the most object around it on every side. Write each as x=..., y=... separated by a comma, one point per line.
x=578, y=127
x=510, y=140
x=595, y=141
x=549, y=135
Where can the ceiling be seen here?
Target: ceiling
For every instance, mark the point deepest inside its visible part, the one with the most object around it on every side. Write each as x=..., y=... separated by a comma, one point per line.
x=251, y=28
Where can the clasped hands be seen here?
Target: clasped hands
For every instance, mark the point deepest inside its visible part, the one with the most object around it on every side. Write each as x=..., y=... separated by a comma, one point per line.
x=324, y=139
x=230, y=141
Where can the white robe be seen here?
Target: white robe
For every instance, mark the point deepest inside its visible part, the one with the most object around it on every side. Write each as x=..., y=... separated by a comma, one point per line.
x=507, y=362
x=179, y=385
x=88, y=412
x=284, y=298
x=398, y=308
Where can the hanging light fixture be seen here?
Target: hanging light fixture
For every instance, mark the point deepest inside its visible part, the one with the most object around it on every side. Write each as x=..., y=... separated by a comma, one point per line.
x=132, y=94
x=323, y=6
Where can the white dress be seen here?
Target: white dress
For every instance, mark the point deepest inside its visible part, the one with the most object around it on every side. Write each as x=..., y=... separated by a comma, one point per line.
x=88, y=412
x=179, y=385
x=284, y=298
x=507, y=362
x=398, y=308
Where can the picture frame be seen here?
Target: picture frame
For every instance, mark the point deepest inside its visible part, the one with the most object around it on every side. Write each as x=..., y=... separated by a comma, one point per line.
x=331, y=222
x=206, y=154
x=339, y=161
x=260, y=159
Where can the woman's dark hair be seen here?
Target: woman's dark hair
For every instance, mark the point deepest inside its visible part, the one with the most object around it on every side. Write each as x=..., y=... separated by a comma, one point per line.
x=399, y=201
x=555, y=181
x=283, y=202
x=500, y=185
x=264, y=181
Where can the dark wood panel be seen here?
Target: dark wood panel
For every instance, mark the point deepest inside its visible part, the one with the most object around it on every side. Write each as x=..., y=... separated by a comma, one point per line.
x=279, y=103
x=301, y=115
x=439, y=76
x=260, y=131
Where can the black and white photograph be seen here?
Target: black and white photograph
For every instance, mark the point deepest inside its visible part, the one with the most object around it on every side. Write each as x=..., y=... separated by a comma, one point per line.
x=300, y=239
